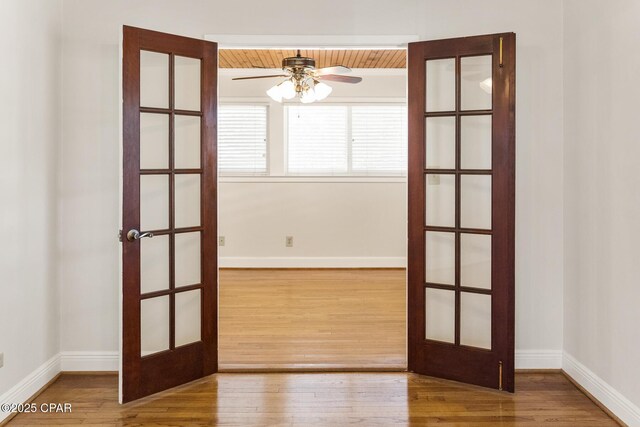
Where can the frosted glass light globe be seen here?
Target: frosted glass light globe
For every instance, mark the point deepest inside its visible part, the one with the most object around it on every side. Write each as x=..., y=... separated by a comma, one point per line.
x=275, y=93
x=322, y=91
x=287, y=89
x=308, y=96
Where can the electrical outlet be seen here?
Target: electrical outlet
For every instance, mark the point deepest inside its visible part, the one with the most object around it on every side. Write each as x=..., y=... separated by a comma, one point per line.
x=1, y=360
x=221, y=241
x=289, y=241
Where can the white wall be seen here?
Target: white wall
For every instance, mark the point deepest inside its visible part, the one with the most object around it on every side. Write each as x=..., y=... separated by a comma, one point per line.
x=602, y=196
x=335, y=222
x=353, y=224
x=90, y=142
x=30, y=119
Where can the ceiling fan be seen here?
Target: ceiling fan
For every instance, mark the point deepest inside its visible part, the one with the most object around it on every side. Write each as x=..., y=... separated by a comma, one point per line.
x=304, y=80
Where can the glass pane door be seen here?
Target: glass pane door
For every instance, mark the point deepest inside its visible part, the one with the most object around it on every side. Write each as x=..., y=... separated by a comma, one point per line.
x=461, y=209
x=169, y=211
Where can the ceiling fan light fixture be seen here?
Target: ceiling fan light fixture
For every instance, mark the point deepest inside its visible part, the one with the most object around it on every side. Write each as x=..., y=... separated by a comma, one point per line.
x=322, y=90
x=303, y=79
x=275, y=93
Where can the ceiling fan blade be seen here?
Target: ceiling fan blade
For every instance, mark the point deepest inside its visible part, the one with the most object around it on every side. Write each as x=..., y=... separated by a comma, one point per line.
x=333, y=70
x=259, y=77
x=341, y=79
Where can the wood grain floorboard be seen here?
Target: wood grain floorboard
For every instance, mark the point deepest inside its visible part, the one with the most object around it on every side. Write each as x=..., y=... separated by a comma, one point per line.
x=327, y=399
x=310, y=319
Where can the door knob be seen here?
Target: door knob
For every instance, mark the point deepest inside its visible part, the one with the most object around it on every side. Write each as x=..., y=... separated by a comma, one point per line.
x=134, y=235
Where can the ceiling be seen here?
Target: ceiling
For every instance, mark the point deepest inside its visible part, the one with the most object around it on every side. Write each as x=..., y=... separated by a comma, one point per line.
x=272, y=58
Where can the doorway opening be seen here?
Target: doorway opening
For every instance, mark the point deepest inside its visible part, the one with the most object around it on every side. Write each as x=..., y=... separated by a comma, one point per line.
x=460, y=202
x=312, y=215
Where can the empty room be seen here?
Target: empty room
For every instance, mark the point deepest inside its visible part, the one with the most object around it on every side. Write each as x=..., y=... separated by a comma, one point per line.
x=319, y=214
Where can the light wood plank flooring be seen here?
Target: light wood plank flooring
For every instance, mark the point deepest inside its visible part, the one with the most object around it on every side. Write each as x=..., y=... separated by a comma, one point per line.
x=310, y=319
x=329, y=399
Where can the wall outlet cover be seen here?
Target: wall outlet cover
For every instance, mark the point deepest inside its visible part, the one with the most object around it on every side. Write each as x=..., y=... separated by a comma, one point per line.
x=221, y=241
x=289, y=241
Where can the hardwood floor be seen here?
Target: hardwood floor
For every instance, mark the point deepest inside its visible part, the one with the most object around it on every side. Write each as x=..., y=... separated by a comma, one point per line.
x=329, y=399
x=317, y=319
x=310, y=319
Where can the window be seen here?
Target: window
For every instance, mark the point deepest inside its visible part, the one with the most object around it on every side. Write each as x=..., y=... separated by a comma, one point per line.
x=317, y=139
x=364, y=139
x=242, y=139
x=379, y=139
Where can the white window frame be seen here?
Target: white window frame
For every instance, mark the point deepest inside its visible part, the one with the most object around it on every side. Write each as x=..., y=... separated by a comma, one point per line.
x=257, y=102
x=349, y=173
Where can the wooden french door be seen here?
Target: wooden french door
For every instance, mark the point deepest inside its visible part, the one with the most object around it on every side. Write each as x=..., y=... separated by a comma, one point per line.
x=462, y=209
x=169, y=211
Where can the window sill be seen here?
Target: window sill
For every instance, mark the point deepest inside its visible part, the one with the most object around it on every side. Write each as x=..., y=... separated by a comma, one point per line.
x=301, y=179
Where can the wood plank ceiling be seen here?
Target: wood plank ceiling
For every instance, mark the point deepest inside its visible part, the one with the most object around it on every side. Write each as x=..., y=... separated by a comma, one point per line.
x=272, y=58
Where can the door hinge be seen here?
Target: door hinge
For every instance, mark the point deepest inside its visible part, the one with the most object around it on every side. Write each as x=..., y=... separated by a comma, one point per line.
x=120, y=235
x=500, y=375
x=500, y=63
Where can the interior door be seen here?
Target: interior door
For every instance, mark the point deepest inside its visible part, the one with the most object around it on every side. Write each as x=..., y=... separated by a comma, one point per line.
x=462, y=209
x=169, y=211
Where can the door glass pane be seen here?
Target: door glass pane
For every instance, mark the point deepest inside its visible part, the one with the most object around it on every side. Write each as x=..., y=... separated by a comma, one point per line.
x=154, y=202
x=441, y=85
x=187, y=317
x=475, y=142
x=440, y=309
x=441, y=142
x=187, y=201
x=154, y=141
x=154, y=79
x=475, y=201
x=154, y=325
x=440, y=200
x=187, y=83
x=475, y=260
x=187, y=142
x=154, y=264
x=187, y=259
x=475, y=82
x=475, y=320
x=440, y=254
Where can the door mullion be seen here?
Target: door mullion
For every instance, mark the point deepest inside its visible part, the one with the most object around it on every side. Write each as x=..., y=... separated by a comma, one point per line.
x=457, y=203
x=172, y=190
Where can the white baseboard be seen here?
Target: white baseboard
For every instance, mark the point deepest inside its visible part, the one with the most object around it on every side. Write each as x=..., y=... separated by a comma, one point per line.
x=612, y=399
x=89, y=361
x=538, y=359
x=312, y=262
x=30, y=385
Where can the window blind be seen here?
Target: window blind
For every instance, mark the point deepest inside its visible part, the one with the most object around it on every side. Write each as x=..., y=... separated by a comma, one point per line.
x=317, y=139
x=379, y=139
x=347, y=139
x=242, y=139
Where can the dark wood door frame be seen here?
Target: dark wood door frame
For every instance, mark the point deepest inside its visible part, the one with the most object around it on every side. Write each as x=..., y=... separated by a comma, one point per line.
x=490, y=368
x=146, y=375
